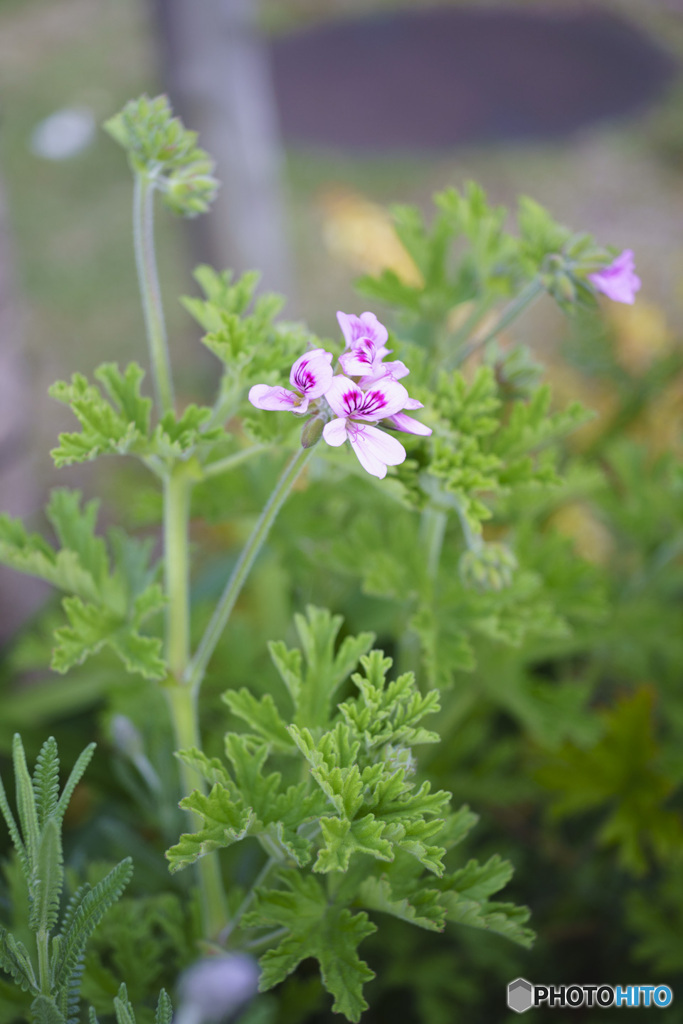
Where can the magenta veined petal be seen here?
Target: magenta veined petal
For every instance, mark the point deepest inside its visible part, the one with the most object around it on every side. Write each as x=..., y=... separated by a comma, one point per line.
x=364, y=326
x=375, y=449
x=276, y=398
x=342, y=395
x=409, y=425
x=381, y=400
x=395, y=369
x=619, y=281
x=334, y=432
x=312, y=373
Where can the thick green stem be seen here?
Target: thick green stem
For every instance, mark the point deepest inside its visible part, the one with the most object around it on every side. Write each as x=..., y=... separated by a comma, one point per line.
x=177, y=568
x=525, y=298
x=145, y=261
x=182, y=704
x=219, y=620
x=181, y=700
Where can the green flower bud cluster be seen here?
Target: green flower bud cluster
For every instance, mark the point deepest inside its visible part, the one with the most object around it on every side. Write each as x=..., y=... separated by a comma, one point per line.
x=489, y=567
x=564, y=275
x=162, y=150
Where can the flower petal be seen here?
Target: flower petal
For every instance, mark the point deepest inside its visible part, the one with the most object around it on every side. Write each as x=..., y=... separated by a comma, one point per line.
x=375, y=449
x=343, y=396
x=409, y=425
x=382, y=399
x=364, y=326
x=619, y=280
x=312, y=373
x=334, y=432
x=274, y=398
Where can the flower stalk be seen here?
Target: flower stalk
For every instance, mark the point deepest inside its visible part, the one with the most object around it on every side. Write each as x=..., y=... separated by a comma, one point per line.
x=150, y=291
x=197, y=667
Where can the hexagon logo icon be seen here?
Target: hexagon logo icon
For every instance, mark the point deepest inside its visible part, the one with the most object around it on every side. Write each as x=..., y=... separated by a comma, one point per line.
x=520, y=995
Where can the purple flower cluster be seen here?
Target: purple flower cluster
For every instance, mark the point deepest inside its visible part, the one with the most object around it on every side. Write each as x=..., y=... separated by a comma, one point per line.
x=355, y=401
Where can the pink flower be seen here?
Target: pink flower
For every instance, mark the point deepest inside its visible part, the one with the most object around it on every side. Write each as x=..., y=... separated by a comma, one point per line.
x=365, y=327
x=619, y=280
x=356, y=410
x=310, y=376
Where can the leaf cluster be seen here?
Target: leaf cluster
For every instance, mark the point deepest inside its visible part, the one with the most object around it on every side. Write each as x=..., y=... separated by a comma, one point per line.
x=110, y=594
x=357, y=833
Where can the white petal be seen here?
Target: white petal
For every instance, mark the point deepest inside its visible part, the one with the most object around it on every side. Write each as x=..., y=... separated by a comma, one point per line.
x=334, y=432
x=343, y=396
x=273, y=398
x=374, y=328
x=375, y=449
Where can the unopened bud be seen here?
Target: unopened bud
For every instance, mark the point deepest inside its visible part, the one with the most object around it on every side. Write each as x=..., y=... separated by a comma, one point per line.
x=312, y=432
x=491, y=567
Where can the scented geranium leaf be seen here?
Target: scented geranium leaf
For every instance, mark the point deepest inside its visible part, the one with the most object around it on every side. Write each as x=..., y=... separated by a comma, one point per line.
x=251, y=805
x=313, y=691
x=342, y=838
x=262, y=716
x=210, y=768
x=225, y=822
x=446, y=648
x=114, y=418
x=179, y=437
x=316, y=928
x=421, y=907
x=111, y=598
x=91, y=628
x=388, y=712
x=479, y=881
x=465, y=895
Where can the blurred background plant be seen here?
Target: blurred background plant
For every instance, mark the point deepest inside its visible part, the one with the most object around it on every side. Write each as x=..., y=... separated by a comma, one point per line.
x=568, y=746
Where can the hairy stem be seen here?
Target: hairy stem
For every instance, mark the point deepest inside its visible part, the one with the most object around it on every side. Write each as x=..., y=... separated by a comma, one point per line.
x=197, y=667
x=145, y=262
x=230, y=461
x=526, y=297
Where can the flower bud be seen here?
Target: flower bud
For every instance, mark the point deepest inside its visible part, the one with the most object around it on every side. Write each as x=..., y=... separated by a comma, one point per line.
x=490, y=567
x=312, y=432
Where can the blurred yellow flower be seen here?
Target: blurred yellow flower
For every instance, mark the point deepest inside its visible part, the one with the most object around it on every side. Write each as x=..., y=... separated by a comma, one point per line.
x=361, y=234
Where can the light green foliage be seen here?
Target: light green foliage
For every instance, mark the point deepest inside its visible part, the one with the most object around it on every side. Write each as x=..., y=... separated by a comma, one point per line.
x=359, y=818
x=162, y=150
x=116, y=419
x=316, y=928
x=241, y=332
x=55, y=980
x=111, y=595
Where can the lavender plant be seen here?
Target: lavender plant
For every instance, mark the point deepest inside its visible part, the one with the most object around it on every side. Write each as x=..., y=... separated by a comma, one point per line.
x=321, y=774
